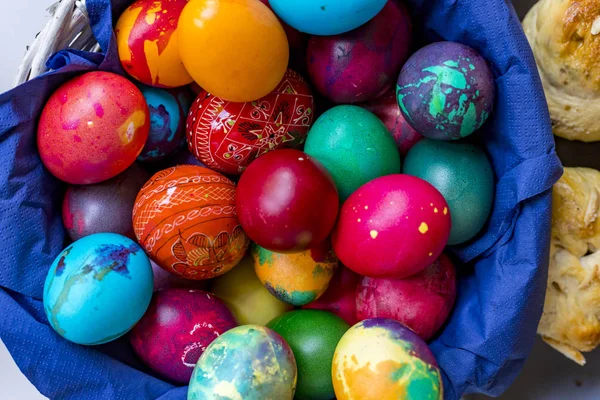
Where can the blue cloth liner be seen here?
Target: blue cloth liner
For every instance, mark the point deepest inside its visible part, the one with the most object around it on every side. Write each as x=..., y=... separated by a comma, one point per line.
x=501, y=290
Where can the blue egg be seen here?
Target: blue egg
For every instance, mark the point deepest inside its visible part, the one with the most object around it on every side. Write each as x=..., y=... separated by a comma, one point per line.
x=98, y=288
x=326, y=17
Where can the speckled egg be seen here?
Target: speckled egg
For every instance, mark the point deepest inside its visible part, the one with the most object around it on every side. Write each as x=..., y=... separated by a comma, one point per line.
x=97, y=289
x=392, y=227
x=354, y=146
x=297, y=278
x=446, y=91
x=185, y=219
x=148, y=42
x=383, y=359
x=177, y=328
x=249, y=362
x=362, y=64
x=103, y=121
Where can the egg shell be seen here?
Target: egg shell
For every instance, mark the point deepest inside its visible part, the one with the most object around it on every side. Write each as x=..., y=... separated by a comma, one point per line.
x=362, y=64
x=392, y=227
x=177, y=328
x=422, y=301
x=185, y=219
x=446, y=91
x=354, y=146
x=286, y=201
x=297, y=278
x=88, y=284
x=228, y=136
x=166, y=280
x=103, y=121
x=382, y=359
x=249, y=362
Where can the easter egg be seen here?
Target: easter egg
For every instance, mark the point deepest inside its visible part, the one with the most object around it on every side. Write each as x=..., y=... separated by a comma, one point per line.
x=103, y=121
x=286, y=201
x=166, y=280
x=185, y=219
x=249, y=362
x=245, y=295
x=297, y=278
x=313, y=336
x=422, y=301
x=392, y=227
x=148, y=42
x=362, y=64
x=177, y=328
x=464, y=175
x=354, y=146
x=382, y=359
x=242, y=40
x=326, y=17
x=90, y=282
x=228, y=136
x=446, y=91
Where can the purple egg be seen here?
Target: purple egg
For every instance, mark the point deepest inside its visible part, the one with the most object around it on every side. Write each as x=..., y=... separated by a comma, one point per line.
x=362, y=64
x=446, y=91
x=165, y=280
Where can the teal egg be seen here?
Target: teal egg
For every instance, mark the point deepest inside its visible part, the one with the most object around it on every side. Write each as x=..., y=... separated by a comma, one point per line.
x=464, y=176
x=354, y=146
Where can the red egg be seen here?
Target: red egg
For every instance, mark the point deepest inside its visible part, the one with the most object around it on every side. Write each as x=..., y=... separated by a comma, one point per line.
x=394, y=226
x=286, y=201
x=93, y=128
x=177, y=328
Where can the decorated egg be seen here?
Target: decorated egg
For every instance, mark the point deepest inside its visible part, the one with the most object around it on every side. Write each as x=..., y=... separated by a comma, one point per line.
x=392, y=227
x=286, y=201
x=103, y=121
x=382, y=359
x=177, y=328
x=362, y=64
x=166, y=280
x=313, y=336
x=148, y=42
x=354, y=146
x=297, y=278
x=185, y=219
x=97, y=289
x=446, y=91
x=228, y=136
x=241, y=39
x=249, y=362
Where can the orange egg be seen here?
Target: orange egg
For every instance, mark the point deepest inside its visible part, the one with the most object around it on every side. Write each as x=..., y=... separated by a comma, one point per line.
x=234, y=49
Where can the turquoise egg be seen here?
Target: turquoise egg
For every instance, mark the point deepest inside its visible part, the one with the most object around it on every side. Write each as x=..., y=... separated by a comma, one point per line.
x=464, y=176
x=354, y=146
x=98, y=288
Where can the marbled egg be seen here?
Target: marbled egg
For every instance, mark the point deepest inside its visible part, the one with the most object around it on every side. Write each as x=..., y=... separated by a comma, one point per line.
x=382, y=359
x=97, y=289
x=446, y=91
x=249, y=362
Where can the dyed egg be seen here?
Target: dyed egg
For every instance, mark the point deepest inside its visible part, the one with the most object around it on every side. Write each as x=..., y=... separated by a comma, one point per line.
x=249, y=362
x=167, y=280
x=313, y=336
x=228, y=136
x=241, y=39
x=103, y=121
x=247, y=298
x=185, y=219
x=298, y=278
x=392, y=227
x=85, y=208
x=177, y=328
x=362, y=64
x=354, y=146
x=286, y=201
x=326, y=17
x=148, y=42
x=446, y=91
x=90, y=282
x=382, y=359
